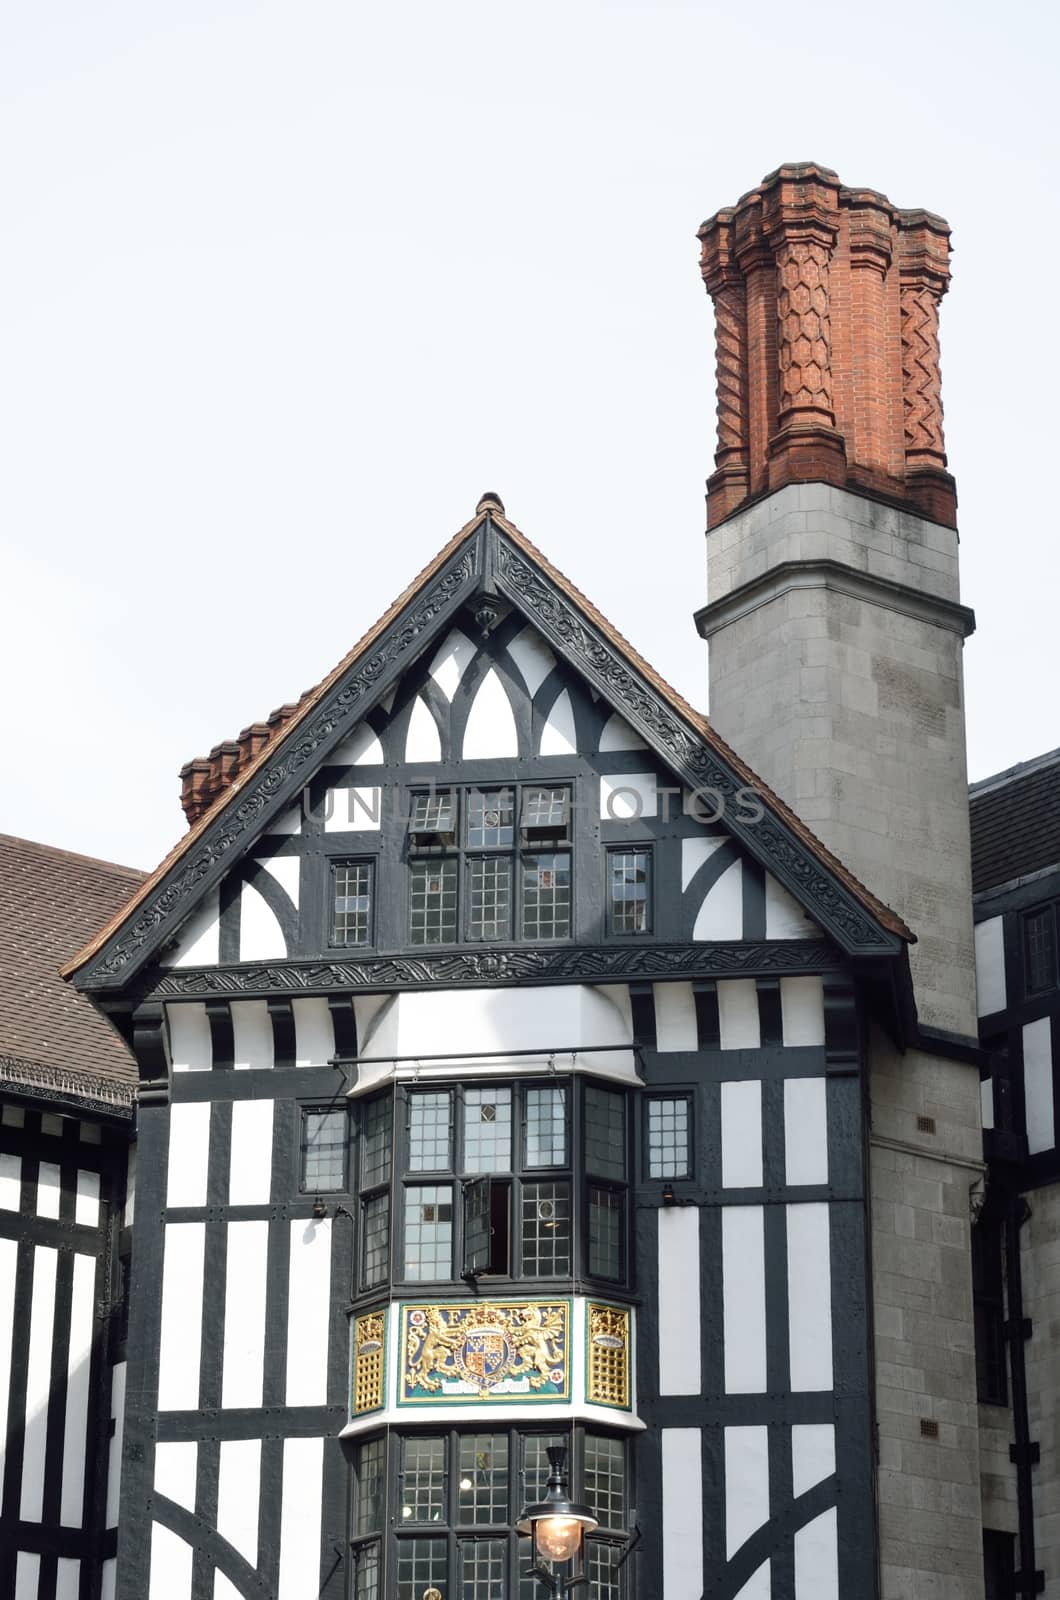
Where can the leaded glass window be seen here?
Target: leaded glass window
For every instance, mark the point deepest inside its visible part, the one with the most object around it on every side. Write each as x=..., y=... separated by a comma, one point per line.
x=487, y=1130
x=428, y=1232
x=429, y=1131
x=353, y=883
x=629, y=891
x=376, y=1116
x=606, y=1208
x=489, y=897
x=669, y=1137
x=546, y=1232
x=432, y=901
x=605, y=1132
x=324, y=1140
x=490, y=819
x=483, y=1488
x=546, y=1127
x=546, y=897
x=1039, y=938
x=375, y=1240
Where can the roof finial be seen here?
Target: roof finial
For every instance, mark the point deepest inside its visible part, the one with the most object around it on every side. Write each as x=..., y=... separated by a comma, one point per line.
x=490, y=501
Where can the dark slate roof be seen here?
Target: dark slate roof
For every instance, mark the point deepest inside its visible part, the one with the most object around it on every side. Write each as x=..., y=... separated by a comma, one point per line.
x=53, y=1043
x=1016, y=822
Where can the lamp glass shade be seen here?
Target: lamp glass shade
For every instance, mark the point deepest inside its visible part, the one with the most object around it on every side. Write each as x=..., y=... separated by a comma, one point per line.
x=558, y=1538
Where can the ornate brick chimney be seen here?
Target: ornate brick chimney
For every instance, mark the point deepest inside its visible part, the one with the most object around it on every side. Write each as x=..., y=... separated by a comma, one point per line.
x=827, y=307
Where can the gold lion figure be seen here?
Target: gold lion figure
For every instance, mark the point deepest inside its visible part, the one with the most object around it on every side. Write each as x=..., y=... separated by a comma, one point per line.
x=435, y=1352
x=538, y=1341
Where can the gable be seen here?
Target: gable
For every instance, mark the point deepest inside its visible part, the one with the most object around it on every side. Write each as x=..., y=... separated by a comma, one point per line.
x=465, y=665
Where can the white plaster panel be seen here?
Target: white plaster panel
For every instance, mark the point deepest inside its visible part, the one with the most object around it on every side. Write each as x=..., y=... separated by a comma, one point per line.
x=741, y=1134
x=10, y=1181
x=628, y=796
x=675, y=1017
x=1038, y=1085
x=129, y=1210
x=746, y=1484
x=990, y=965
x=490, y=732
x=812, y=1454
x=353, y=809
x=802, y=1010
x=261, y=937
x=809, y=1296
x=303, y=1470
x=422, y=742
x=533, y=658
x=744, y=1304
x=243, y=1356
x=238, y=1494
x=361, y=748
x=189, y=1037
x=559, y=736
x=67, y=1578
x=8, y=1269
x=682, y=1501
x=181, y=1331
x=250, y=1173
x=451, y=661
x=785, y=918
x=198, y=940
x=720, y=917
x=176, y=1462
x=86, y=1203
x=189, y=1153
x=693, y=854
x=13, y=1116
x=817, y=1559
x=79, y=1357
x=287, y=869
x=308, y=1314
x=679, y=1271
x=805, y=1130
x=171, y=1559
x=89, y=1133
x=739, y=1025
x=48, y=1189
x=618, y=735
x=986, y=1101
x=38, y=1382
x=110, y=1579
x=51, y=1124
x=252, y=1035
x=27, y=1576
x=289, y=823
x=758, y=1585
x=117, y=1411
x=314, y=1033
x=223, y=1589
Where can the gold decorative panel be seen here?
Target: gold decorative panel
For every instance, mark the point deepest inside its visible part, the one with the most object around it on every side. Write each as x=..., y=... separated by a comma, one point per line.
x=607, y=1357
x=369, y=1362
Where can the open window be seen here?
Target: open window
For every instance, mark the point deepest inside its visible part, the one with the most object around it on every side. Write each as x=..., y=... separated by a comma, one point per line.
x=432, y=820
x=545, y=815
x=487, y=1233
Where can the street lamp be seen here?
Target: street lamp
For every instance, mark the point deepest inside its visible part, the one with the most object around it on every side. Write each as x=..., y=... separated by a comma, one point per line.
x=557, y=1526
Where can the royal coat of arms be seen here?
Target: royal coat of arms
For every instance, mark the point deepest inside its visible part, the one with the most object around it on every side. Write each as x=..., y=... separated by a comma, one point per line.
x=469, y=1350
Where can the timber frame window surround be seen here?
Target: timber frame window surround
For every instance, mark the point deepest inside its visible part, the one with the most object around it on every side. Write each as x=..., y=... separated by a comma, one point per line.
x=525, y=1180
x=451, y=1498
x=324, y=1150
x=485, y=862
x=1039, y=949
x=352, y=902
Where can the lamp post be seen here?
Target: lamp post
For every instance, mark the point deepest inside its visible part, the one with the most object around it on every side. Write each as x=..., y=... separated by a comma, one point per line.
x=557, y=1526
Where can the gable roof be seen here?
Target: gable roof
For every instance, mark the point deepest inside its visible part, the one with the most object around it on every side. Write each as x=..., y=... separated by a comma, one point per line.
x=53, y=1043
x=1015, y=822
x=491, y=556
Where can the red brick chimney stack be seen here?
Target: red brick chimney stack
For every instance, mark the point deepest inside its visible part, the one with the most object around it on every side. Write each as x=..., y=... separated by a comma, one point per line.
x=826, y=304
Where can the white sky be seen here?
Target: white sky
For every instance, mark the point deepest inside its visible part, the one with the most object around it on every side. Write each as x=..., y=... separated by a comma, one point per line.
x=285, y=287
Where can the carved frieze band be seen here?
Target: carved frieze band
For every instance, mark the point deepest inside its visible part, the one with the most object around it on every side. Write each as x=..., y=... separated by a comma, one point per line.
x=769, y=840
x=218, y=842
x=480, y=968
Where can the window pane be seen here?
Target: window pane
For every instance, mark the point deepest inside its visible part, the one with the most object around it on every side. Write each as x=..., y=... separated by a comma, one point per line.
x=605, y=1232
x=1040, y=936
x=429, y=1149
x=323, y=1151
x=605, y=1579
x=428, y=1232
x=489, y=911
x=487, y=1130
x=421, y=1564
x=353, y=903
x=605, y=1132
x=546, y=808
x=375, y=1241
x=483, y=1481
x=546, y=1127
x=546, y=1230
x=376, y=1118
x=423, y=1480
x=482, y=1564
x=629, y=890
x=432, y=902
x=433, y=813
x=668, y=1143
x=546, y=897
x=370, y=1470
x=534, y=1467
x=605, y=1480
x=368, y=1572
x=489, y=819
